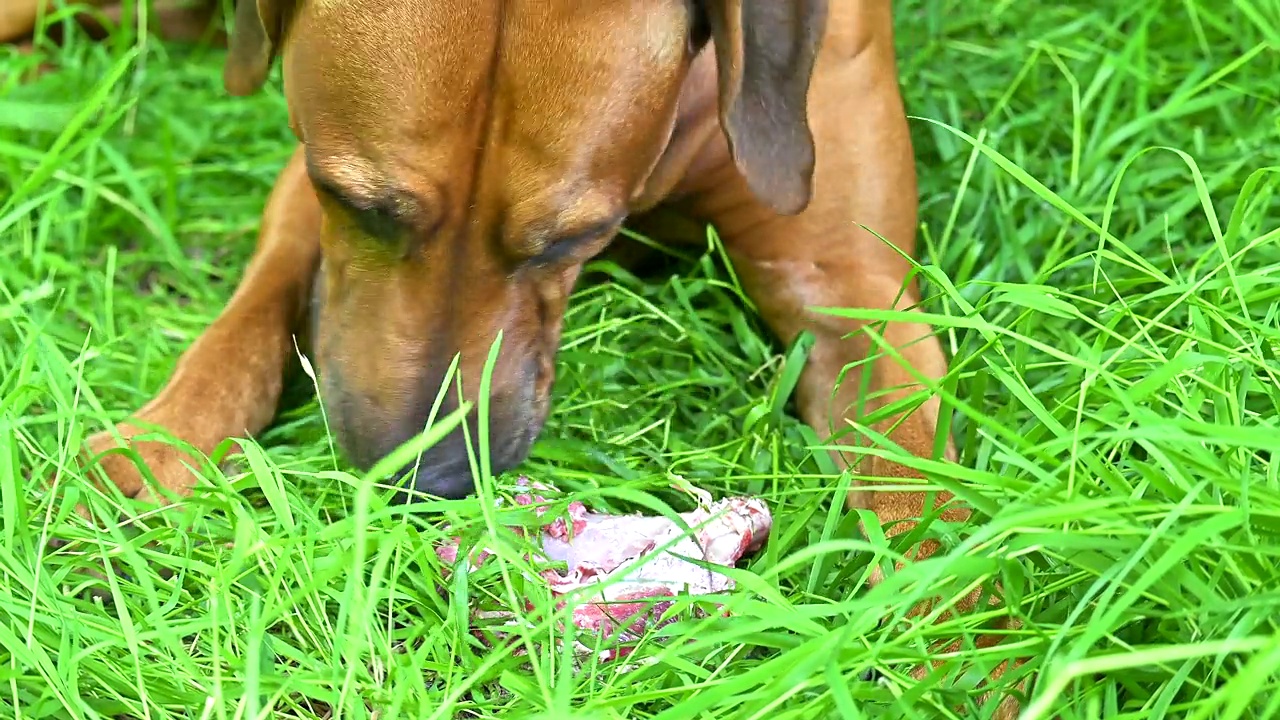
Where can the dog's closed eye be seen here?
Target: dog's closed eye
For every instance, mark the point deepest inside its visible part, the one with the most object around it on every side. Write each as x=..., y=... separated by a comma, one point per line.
x=379, y=213
x=380, y=218
x=377, y=219
x=574, y=245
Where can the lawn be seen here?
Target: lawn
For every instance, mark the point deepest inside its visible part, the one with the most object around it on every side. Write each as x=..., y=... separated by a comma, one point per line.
x=1100, y=231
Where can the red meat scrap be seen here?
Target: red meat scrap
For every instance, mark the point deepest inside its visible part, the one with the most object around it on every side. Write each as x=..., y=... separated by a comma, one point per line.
x=624, y=564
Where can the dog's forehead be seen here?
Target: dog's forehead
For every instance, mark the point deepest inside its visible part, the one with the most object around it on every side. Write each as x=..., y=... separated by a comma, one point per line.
x=552, y=61
x=506, y=30
x=407, y=88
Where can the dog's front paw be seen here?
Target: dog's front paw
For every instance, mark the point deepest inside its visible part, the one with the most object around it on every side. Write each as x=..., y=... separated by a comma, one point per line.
x=122, y=460
x=150, y=471
x=978, y=600
x=1009, y=704
x=898, y=512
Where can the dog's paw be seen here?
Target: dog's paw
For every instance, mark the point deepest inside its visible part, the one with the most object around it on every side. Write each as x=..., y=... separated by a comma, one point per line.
x=119, y=459
x=978, y=599
x=122, y=460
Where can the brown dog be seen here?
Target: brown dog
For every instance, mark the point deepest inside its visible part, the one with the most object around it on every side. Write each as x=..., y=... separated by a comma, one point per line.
x=459, y=161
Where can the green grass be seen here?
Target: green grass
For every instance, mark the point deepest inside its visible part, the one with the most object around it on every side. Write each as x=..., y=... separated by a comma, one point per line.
x=1099, y=228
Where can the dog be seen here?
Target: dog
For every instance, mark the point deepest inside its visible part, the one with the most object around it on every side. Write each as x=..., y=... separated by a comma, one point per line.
x=459, y=161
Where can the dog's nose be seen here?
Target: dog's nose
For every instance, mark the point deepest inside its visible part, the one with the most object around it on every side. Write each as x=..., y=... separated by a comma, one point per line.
x=450, y=480
x=445, y=471
x=367, y=433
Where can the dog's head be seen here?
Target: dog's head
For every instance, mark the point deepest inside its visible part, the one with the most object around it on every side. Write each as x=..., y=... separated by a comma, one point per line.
x=471, y=155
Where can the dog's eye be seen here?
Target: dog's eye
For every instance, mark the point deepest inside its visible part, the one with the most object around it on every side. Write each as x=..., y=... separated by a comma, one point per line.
x=377, y=210
x=378, y=222
x=576, y=245
x=381, y=220
x=560, y=251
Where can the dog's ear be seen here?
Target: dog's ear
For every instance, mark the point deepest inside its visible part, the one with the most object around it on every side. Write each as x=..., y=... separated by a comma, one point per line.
x=765, y=53
x=255, y=40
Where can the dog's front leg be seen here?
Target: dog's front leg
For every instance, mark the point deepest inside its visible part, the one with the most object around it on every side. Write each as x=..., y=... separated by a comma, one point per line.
x=228, y=383
x=864, y=177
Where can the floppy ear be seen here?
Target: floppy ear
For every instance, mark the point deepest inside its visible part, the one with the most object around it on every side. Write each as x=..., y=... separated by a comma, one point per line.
x=765, y=52
x=255, y=39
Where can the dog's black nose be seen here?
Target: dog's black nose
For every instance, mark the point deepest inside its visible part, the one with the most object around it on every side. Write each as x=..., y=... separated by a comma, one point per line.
x=445, y=471
x=451, y=480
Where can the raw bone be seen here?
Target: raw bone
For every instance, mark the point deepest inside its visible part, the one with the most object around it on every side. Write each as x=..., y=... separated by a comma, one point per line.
x=599, y=548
